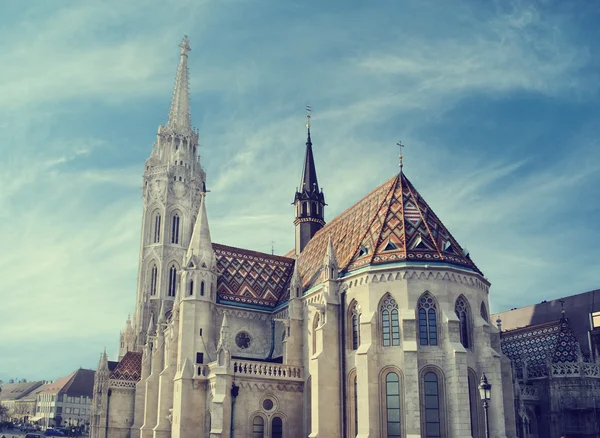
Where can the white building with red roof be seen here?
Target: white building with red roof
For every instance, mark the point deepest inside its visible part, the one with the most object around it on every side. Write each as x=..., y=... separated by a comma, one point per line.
x=375, y=325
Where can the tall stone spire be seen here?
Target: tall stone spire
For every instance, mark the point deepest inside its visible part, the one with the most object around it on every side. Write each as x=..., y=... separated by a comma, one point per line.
x=309, y=201
x=200, y=251
x=179, y=115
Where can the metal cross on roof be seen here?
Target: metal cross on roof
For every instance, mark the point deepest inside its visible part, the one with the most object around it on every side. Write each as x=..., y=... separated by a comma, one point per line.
x=308, y=110
x=400, y=163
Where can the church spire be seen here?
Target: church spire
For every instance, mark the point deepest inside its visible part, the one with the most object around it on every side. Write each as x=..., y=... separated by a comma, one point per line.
x=179, y=115
x=200, y=251
x=309, y=200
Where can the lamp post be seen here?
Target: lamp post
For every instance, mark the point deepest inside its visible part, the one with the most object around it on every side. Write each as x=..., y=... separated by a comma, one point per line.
x=485, y=391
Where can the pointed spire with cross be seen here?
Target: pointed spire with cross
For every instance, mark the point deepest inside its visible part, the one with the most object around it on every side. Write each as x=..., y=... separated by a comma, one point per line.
x=179, y=115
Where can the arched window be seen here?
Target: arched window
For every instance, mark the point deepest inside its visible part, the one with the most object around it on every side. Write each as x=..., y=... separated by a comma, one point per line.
x=202, y=288
x=390, y=325
x=277, y=427
x=392, y=405
x=427, y=320
x=175, y=229
x=258, y=427
x=314, y=333
x=355, y=318
x=153, y=279
x=462, y=312
x=483, y=312
x=191, y=289
x=156, y=235
x=172, y=280
x=474, y=403
x=431, y=405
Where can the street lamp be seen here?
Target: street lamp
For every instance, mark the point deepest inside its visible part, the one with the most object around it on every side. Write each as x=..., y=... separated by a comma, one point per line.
x=485, y=391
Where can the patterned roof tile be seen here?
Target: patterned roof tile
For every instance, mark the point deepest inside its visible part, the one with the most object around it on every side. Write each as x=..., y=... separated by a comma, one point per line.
x=251, y=277
x=392, y=223
x=129, y=368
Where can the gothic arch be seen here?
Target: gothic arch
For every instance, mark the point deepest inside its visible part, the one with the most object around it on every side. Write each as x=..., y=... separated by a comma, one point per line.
x=388, y=398
x=462, y=309
x=353, y=325
x=475, y=407
x=352, y=405
x=254, y=426
x=483, y=312
x=176, y=226
x=388, y=321
x=153, y=277
x=155, y=225
x=425, y=374
x=171, y=276
x=427, y=311
x=315, y=325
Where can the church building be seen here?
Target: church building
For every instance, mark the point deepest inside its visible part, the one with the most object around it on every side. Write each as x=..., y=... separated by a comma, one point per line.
x=375, y=325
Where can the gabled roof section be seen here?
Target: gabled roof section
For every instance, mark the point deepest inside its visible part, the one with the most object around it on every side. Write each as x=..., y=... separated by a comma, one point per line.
x=16, y=391
x=80, y=384
x=129, y=368
x=252, y=278
x=393, y=223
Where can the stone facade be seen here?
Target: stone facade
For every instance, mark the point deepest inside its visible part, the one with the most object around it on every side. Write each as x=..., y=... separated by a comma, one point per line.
x=374, y=326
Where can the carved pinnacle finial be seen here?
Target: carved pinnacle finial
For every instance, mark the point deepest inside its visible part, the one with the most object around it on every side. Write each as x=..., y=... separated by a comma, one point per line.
x=400, y=163
x=185, y=46
x=308, y=111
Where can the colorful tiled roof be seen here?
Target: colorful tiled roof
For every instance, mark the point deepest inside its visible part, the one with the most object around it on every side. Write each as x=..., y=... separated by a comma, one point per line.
x=129, y=368
x=534, y=344
x=392, y=223
x=250, y=277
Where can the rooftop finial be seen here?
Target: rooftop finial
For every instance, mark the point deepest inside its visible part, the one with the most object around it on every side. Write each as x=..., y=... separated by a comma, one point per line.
x=308, y=110
x=400, y=163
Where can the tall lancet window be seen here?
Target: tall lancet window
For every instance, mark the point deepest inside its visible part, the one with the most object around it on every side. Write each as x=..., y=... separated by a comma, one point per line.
x=153, y=279
x=431, y=407
x=355, y=319
x=462, y=312
x=175, y=229
x=172, y=280
x=427, y=320
x=390, y=325
x=392, y=405
x=156, y=236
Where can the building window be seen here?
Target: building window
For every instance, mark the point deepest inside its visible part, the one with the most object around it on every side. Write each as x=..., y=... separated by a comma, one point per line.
x=153, y=279
x=199, y=358
x=474, y=403
x=483, y=312
x=392, y=405
x=258, y=427
x=390, y=325
x=462, y=312
x=427, y=320
x=277, y=427
x=191, y=290
x=156, y=229
x=595, y=320
x=175, y=229
x=202, y=288
x=172, y=280
x=314, y=333
x=355, y=319
x=431, y=406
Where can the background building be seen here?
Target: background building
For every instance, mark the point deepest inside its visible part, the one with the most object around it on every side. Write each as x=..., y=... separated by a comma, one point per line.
x=66, y=401
x=554, y=349
x=18, y=399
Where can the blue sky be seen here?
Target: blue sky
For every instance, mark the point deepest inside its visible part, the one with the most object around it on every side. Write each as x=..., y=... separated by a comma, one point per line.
x=497, y=103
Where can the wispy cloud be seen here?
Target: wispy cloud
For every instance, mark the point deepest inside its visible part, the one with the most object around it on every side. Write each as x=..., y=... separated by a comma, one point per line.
x=88, y=83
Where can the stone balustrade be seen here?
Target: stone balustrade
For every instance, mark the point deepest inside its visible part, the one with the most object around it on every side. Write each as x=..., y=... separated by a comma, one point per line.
x=202, y=371
x=267, y=370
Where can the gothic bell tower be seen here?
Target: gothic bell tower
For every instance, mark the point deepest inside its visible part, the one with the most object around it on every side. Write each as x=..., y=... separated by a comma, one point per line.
x=172, y=184
x=309, y=201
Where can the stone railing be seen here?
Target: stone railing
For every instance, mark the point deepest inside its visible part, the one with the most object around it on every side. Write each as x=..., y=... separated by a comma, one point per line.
x=537, y=372
x=202, y=371
x=156, y=170
x=576, y=369
x=267, y=370
x=529, y=393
